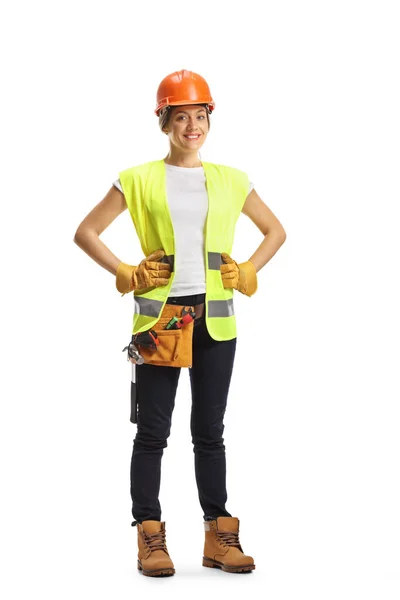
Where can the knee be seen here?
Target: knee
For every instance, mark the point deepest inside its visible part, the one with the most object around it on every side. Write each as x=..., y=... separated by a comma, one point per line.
x=207, y=432
x=211, y=440
x=150, y=440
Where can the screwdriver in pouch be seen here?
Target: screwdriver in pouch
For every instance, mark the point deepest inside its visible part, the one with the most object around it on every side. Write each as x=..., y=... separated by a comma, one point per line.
x=187, y=317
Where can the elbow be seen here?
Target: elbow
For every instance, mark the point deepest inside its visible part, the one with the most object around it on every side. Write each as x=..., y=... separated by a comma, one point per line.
x=77, y=237
x=278, y=233
x=82, y=234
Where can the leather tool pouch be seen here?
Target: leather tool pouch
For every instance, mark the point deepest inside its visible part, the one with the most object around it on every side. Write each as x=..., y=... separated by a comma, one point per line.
x=175, y=345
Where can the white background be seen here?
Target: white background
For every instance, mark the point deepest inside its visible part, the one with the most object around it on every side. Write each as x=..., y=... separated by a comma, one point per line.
x=307, y=103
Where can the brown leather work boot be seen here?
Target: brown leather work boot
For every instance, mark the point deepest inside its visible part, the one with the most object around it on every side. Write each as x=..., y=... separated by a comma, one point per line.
x=153, y=557
x=222, y=548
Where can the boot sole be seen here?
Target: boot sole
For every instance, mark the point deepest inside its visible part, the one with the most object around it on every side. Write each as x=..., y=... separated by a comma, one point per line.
x=209, y=562
x=155, y=572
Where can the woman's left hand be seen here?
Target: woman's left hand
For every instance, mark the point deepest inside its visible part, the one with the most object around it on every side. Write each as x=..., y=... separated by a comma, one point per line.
x=242, y=276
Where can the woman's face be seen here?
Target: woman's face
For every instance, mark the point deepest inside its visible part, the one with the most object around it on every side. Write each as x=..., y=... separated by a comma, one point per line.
x=188, y=126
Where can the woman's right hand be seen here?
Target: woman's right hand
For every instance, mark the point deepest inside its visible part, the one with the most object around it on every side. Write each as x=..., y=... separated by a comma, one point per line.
x=149, y=273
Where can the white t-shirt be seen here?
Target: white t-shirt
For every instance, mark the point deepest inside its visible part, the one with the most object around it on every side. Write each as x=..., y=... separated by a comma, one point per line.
x=188, y=205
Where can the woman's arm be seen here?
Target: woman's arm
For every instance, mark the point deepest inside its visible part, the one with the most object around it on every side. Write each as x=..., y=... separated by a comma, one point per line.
x=268, y=224
x=93, y=225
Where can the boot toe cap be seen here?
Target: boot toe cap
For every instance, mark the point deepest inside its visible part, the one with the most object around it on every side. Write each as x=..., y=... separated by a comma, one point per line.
x=244, y=560
x=165, y=563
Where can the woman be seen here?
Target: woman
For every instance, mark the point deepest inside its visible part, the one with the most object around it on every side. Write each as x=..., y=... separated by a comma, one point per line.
x=184, y=211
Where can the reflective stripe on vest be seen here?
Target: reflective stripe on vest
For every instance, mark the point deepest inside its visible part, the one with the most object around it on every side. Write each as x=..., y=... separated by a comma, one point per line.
x=220, y=308
x=216, y=308
x=169, y=259
x=215, y=260
x=152, y=308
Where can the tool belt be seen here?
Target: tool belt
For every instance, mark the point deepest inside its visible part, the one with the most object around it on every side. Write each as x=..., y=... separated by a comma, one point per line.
x=174, y=347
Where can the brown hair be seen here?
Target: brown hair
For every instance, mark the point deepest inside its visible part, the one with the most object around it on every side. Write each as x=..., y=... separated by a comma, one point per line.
x=163, y=118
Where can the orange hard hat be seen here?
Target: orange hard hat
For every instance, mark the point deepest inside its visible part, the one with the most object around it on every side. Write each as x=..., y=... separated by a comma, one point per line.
x=183, y=87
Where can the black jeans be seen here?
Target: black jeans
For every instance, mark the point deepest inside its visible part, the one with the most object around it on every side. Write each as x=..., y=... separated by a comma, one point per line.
x=210, y=378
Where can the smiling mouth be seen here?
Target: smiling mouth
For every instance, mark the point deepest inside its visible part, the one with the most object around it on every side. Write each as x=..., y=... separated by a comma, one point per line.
x=192, y=137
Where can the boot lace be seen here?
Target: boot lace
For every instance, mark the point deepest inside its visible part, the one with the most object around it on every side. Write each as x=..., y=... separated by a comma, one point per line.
x=156, y=541
x=230, y=538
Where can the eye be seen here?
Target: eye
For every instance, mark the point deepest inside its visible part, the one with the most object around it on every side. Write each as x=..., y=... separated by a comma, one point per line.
x=184, y=117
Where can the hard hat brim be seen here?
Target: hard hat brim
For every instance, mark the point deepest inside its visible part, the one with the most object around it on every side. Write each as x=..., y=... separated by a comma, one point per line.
x=165, y=103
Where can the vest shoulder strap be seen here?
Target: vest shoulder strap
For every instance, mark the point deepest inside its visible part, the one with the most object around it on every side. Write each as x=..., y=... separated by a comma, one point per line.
x=138, y=170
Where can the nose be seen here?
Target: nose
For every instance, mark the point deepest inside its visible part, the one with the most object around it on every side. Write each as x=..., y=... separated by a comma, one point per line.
x=192, y=125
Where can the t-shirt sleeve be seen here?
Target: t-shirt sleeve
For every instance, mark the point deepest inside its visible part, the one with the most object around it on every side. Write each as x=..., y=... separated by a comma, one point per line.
x=117, y=184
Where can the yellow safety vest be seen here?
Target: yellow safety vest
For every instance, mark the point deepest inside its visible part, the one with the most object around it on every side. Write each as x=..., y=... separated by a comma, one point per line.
x=144, y=188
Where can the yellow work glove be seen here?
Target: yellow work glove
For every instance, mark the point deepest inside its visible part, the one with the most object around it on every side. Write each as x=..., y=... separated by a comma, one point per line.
x=149, y=273
x=242, y=276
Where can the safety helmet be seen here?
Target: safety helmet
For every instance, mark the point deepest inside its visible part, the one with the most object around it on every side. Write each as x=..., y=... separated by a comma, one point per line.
x=183, y=87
